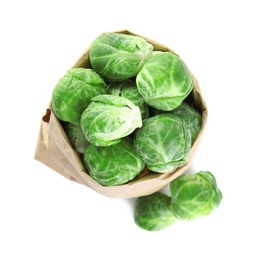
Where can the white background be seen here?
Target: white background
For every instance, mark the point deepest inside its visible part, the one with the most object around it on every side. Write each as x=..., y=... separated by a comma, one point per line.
x=45, y=216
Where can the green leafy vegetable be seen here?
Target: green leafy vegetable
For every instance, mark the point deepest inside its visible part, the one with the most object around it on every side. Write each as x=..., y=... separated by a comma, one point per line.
x=194, y=195
x=76, y=137
x=117, y=57
x=192, y=118
x=108, y=118
x=189, y=114
x=115, y=164
x=128, y=89
x=153, y=212
x=164, y=81
x=73, y=93
x=163, y=142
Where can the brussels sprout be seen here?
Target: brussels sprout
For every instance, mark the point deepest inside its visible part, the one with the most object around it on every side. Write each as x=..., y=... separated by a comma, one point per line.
x=108, y=118
x=192, y=118
x=73, y=93
x=164, y=81
x=117, y=57
x=155, y=52
x=115, y=164
x=153, y=212
x=128, y=89
x=189, y=114
x=76, y=137
x=194, y=195
x=163, y=142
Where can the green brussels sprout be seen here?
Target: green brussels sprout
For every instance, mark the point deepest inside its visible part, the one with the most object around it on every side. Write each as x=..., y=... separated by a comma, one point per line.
x=73, y=93
x=163, y=142
x=164, y=81
x=76, y=137
x=117, y=56
x=115, y=164
x=108, y=118
x=192, y=118
x=155, y=52
x=128, y=89
x=189, y=114
x=194, y=195
x=153, y=212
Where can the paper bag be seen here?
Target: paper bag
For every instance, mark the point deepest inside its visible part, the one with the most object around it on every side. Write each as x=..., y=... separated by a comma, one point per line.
x=55, y=150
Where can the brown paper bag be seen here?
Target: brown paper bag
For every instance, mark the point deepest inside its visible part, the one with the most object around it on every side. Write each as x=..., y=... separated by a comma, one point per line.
x=55, y=150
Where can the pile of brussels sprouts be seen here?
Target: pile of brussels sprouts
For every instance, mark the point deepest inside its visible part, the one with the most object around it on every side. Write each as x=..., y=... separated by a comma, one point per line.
x=129, y=110
x=191, y=196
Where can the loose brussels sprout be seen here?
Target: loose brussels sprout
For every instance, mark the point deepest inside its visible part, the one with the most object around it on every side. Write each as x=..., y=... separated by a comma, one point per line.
x=128, y=89
x=117, y=57
x=153, y=212
x=73, y=93
x=115, y=164
x=163, y=142
x=76, y=137
x=164, y=81
x=108, y=118
x=194, y=195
